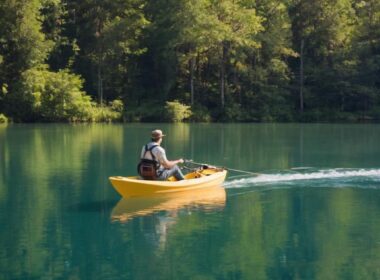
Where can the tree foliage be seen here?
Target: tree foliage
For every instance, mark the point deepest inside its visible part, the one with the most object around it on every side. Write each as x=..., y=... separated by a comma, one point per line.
x=58, y=96
x=242, y=60
x=176, y=112
x=3, y=119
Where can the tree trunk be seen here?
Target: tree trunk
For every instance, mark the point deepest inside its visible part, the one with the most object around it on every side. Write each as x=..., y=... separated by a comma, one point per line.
x=100, y=83
x=342, y=101
x=192, y=65
x=236, y=84
x=99, y=47
x=301, y=77
x=222, y=74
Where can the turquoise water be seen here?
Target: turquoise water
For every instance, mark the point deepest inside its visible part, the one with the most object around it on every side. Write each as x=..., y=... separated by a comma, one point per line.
x=312, y=213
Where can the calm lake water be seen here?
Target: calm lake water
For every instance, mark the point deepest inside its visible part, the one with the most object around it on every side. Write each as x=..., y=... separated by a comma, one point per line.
x=313, y=213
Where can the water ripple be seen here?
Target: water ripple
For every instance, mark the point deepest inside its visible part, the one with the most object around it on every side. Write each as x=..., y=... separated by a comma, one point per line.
x=336, y=175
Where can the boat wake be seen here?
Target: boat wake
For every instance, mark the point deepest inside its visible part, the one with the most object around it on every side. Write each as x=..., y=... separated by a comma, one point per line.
x=337, y=176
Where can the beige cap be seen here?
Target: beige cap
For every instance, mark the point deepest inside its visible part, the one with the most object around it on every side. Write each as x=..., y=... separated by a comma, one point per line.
x=156, y=134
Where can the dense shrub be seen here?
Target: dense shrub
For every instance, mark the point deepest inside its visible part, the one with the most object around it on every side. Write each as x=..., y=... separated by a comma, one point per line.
x=146, y=112
x=58, y=96
x=3, y=118
x=104, y=114
x=232, y=112
x=201, y=114
x=176, y=111
x=376, y=113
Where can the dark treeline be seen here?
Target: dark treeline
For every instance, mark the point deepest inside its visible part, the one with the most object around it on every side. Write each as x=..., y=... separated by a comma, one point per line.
x=199, y=60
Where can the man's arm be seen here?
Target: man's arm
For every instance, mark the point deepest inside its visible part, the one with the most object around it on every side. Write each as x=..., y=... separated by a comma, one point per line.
x=161, y=155
x=170, y=163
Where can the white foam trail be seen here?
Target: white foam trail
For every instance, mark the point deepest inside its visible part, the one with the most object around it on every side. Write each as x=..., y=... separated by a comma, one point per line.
x=301, y=168
x=316, y=175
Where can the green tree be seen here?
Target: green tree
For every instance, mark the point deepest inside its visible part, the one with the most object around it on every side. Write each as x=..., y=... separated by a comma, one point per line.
x=55, y=26
x=366, y=62
x=210, y=33
x=193, y=40
x=235, y=25
x=322, y=31
x=23, y=45
x=262, y=75
x=108, y=35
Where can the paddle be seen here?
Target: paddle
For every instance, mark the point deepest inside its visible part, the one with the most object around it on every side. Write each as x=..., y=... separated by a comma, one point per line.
x=231, y=169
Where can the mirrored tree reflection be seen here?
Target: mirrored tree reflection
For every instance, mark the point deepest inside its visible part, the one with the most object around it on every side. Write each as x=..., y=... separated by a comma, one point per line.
x=60, y=218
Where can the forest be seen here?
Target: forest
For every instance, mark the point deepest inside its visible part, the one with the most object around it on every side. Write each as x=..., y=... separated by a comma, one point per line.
x=190, y=60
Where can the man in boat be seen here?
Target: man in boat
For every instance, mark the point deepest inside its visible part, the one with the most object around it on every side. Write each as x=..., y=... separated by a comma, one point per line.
x=154, y=165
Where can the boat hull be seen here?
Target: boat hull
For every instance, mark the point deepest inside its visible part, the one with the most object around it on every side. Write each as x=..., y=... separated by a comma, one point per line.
x=135, y=186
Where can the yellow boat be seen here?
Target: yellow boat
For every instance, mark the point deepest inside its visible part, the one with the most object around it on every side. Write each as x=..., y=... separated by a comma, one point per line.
x=199, y=179
x=209, y=199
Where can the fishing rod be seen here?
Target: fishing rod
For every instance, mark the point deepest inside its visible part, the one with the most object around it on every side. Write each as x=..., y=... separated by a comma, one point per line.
x=231, y=169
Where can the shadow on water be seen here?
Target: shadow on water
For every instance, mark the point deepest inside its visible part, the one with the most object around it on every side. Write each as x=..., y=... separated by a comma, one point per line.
x=93, y=206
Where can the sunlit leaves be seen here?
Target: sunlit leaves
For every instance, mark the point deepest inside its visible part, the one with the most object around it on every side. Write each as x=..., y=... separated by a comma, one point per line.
x=176, y=112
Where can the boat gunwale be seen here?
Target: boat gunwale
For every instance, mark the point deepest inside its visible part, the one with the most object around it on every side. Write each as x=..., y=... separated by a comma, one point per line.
x=169, y=184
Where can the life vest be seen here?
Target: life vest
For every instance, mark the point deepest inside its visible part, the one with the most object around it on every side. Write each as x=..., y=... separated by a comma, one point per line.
x=147, y=168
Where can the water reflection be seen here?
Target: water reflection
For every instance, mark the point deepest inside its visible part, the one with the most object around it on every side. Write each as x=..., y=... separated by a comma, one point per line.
x=210, y=199
x=54, y=191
